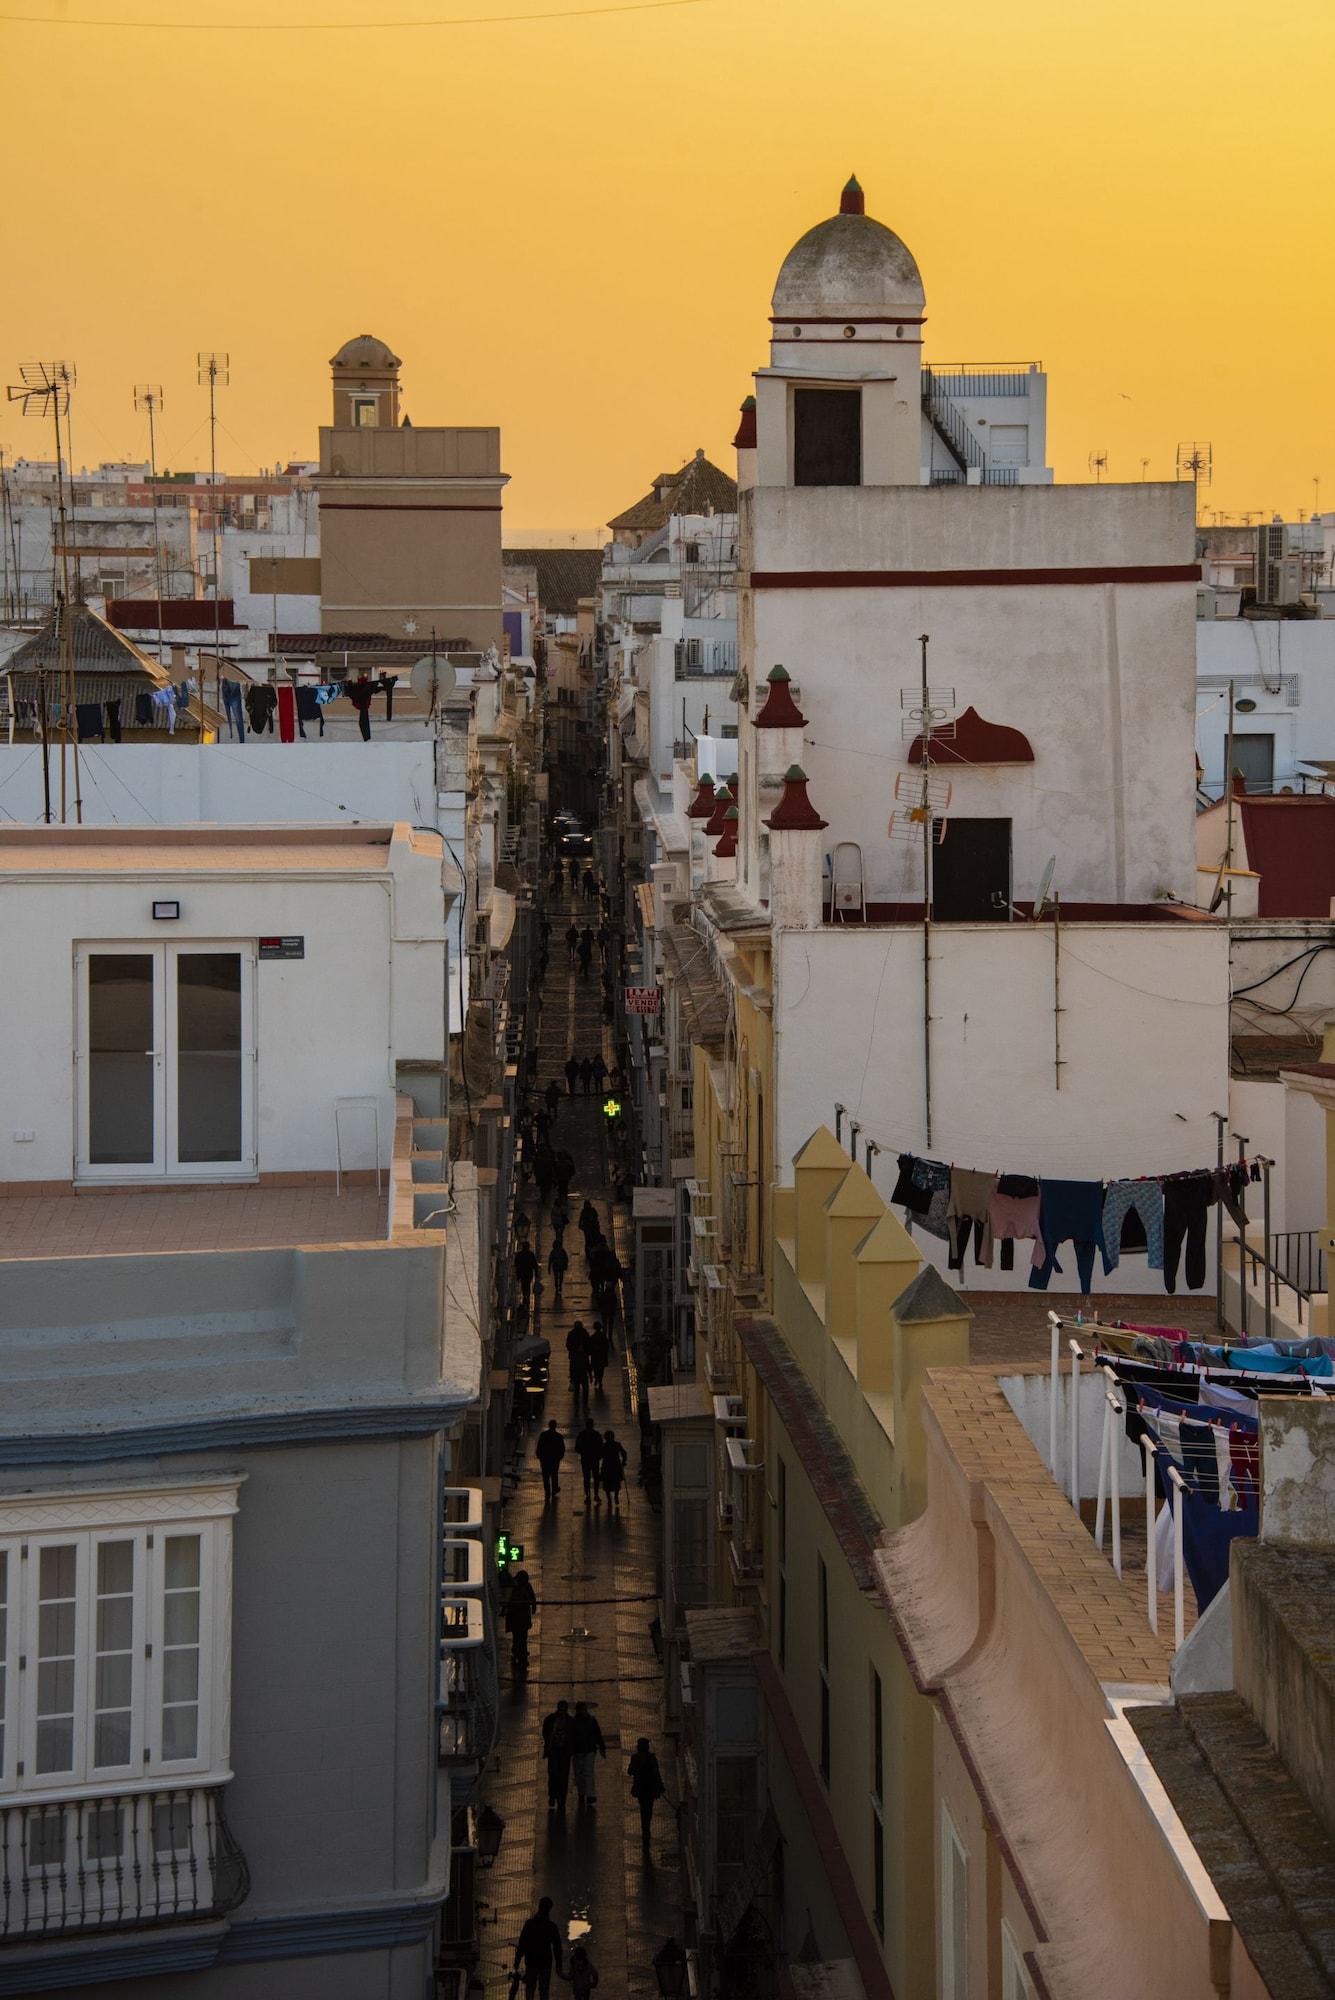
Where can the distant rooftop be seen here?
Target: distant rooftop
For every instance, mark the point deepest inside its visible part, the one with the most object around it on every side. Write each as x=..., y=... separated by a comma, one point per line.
x=700, y=487
x=564, y=575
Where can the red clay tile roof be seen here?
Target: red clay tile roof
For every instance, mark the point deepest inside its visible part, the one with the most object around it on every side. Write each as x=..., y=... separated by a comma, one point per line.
x=699, y=488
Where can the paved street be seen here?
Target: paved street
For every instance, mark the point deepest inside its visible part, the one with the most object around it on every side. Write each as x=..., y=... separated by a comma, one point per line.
x=594, y=1571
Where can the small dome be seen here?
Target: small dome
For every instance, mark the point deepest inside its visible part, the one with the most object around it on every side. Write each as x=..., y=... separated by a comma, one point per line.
x=848, y=265
x=365, y=352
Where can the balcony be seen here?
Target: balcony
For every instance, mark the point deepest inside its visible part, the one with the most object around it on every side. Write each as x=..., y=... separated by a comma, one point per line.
x=120, y=1861
x=466, y=1703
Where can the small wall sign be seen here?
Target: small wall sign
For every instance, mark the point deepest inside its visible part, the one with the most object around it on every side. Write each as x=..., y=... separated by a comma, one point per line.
x=166, y=913
x=282, y=947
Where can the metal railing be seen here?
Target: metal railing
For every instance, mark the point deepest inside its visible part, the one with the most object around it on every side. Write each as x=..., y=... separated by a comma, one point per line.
x=120, y=1861
x=704, y=659
x=948, y=420
x=1297, y=1256
x=968, y=378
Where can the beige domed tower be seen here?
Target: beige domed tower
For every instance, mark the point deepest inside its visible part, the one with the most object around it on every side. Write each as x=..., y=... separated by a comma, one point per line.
x=366, y=384
x=841, y=401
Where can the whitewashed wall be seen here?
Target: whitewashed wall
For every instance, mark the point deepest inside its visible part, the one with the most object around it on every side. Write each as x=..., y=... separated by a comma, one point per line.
x=1144, y=1044
x=171, y=784
x=1100, y=677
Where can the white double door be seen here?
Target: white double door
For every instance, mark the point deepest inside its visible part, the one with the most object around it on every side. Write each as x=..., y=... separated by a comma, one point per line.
x=166, y=1061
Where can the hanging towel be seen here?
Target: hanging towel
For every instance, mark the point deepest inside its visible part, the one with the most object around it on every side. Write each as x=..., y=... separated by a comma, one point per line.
x=88, y=720
x=1207, y=1536
x=287, y=711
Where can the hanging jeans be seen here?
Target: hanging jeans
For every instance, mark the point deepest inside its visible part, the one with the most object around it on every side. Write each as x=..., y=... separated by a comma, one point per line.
x=1146, y=1198
x=1187, y=1200
x=1071, y=1209
x=233, y=710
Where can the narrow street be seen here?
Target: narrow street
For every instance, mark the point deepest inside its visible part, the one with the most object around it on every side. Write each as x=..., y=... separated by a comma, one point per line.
x=594, y=1569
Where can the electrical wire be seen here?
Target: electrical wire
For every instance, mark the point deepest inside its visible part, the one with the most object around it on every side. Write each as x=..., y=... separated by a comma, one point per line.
x=343, y=27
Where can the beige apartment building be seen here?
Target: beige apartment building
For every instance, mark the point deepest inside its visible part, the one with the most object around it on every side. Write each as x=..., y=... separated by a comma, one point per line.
x=410, y=515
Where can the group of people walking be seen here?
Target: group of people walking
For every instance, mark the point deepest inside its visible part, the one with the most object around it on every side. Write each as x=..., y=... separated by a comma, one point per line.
x=602, y=1459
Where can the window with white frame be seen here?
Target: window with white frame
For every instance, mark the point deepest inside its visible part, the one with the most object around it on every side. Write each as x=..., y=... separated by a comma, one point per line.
x=954, y=1912
x=114, y=1640
x=1015, y=1981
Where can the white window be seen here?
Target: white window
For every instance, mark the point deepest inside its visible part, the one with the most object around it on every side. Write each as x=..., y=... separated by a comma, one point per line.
x=1015, y=1981
x=165, y=1060
x=114, y=1648
x=954, y=1912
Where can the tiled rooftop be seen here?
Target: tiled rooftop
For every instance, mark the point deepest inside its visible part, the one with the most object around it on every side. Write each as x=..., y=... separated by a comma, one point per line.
x=94, y=1224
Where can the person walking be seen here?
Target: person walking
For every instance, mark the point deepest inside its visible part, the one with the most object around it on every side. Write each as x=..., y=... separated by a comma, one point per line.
x=558, y=1263
x=526, y=1270
x=537, y=1950
x=560, y=1217
x=544, y=1171
x=572, y=940
x=599, y=1068
x=588, y=1746
x=558, y=1747
x=519, y=1612
x=585, y=955
x=599, y=1351
x=552, y=1094
x=583, y=1973
x=589, y=1447
x=586, y=1075
x=573, y=866
x=590, y=886
x=589, y=1225
x=646, y=1786
x=612, y=1470
x=577, y=1349
x=549, y=1451
x=565, y=1170
x=604, y=940
x=572, y=1073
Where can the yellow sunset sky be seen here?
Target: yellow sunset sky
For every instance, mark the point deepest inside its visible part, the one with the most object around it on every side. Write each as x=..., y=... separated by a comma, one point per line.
x=571, y=227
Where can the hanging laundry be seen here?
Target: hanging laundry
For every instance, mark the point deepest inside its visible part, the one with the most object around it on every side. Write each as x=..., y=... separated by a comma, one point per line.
x=261, y=706
x=113, y=712
x=1218, y=1396
x=1187, y=1200
x=1207, y=1536
x=287, y=710
x=1223, y=1465
x=233, y=710
x=386, y=685
x=1013, y=1213
x=88, y=720
x=1143, y=1198
x=327, y=692
x=308, y=707
x=1069, y=1210
x=968, y=1214
x=143, y=710
x=1229, y=1185
x=181, y=694
x=359, y=693
x=164, y=702
x=909, y=1192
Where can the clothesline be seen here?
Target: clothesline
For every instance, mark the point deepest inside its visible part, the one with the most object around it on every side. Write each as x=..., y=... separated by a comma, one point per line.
x=965, y=1204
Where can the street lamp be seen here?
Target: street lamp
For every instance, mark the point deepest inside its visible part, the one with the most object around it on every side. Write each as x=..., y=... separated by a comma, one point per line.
x=670, y=1968
x=487, y=1835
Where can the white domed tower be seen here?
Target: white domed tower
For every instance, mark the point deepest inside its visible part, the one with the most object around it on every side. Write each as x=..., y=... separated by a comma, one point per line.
x=841, y=402
x=366, y=384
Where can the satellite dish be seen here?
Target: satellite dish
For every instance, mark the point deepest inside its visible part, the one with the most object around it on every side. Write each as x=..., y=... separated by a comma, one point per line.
x=432, y=679
x=1045, y=887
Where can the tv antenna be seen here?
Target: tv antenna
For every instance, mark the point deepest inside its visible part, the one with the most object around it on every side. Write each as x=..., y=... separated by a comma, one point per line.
x=1144, y=468
x=1195, y=461
x=214, y=369
x=1098, y=464
x=148, y=400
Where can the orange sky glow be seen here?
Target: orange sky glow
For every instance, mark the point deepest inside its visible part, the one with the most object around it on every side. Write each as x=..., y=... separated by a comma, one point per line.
x=571, y=227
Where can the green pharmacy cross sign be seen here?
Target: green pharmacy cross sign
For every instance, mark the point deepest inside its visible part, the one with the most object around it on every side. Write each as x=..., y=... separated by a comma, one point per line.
x=508, y=1552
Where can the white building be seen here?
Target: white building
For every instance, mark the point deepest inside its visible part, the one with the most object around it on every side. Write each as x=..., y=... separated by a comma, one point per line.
x=1061, y=632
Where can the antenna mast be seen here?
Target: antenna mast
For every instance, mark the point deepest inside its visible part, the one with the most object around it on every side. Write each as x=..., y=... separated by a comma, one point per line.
x=215, y=369
x=148, y=398
x=44, y=387
x=922, y=802
x=1195, y=461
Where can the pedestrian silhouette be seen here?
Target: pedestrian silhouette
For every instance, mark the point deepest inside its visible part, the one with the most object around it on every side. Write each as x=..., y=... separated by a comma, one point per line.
x=553, y=1097
x=646, y=1786
x=599, y=1350
x=526, y=1270
x=558, y=1747
x=586, y=1075
x=583, y=1973
x=588, y=1746
x=572, y=1073
x=589, y=1446
x=572, y=940
x=558, y=1263
x=612, y=1470
x=549, y=1451
x=537, y=1949
x=519, y=1612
